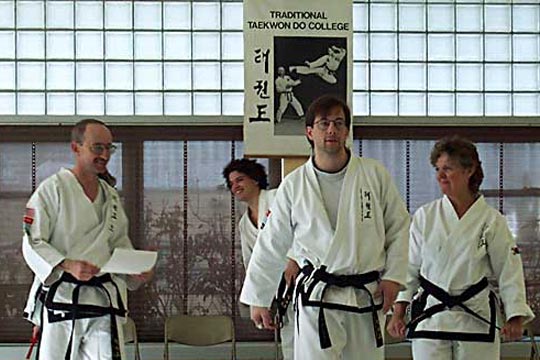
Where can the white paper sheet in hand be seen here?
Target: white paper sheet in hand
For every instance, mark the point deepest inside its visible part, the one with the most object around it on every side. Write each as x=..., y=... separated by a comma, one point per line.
x=128, y=261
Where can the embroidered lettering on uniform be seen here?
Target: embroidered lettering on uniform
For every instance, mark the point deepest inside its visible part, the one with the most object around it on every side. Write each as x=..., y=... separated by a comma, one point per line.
x=265, y=219
x=516, y=250
x=482, y=240
x=367, y=204
x=114, y=215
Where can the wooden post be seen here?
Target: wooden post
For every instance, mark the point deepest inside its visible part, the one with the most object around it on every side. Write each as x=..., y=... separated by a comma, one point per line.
x=291, y=163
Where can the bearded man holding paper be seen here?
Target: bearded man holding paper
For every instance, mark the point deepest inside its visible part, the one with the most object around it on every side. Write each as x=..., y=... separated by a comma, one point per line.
x=73, y=223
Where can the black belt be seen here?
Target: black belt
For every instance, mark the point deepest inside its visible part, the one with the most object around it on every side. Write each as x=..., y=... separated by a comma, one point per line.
x=281, y=301
x=447, y=302
x=358, y=281
x=76, y=311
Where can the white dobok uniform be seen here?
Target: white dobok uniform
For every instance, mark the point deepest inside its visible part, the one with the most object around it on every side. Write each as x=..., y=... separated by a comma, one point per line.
x=370, y=238
x=454, y=254
x=77, y=319
x=284, y=87
x=248, y=237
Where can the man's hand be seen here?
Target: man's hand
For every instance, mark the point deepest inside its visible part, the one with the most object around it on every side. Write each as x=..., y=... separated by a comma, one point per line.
x=396, y=326
x=81, y=270
x=388, y=289
x=513, y=329
x=291, y=271
x=144, y=277
x=261, y=318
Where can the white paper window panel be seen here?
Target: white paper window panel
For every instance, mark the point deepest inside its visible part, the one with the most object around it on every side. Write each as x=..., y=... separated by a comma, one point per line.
x=232, y=46
x=147, y=15
x=177, y=103
x=412, y=104
x=526, y=18
x=118, y=15
x=119, y=76
x=527, y=47
x=469, y=104
x=412, y=47
x=7, y=50
x=147, y=46
x=360, y=17
x=412, y=76
x=383, y=76
x=148, y=76
x=206, y=103
x=497, y=18
x=89, y=76
x=383, y=17
x=30, y=104
x=469, y=18
x=119, y=103
x=90, y=104
x=148, y=103
x=60, y=76
x=206, y=46
x=440, y=17
x=233, y=103
x=232, y=16
x=60, y=45
x=7, y=75
x=526, y=104
x=30, y=76
x=497, y=47
x=498, y=77
x=118, y=45
x=177, y=46
x=60, y=14
x=177, y=76
x=206, y=16
x=206, y=76
x=526, y=77
x=88, y=14
x=498, y=104
x=232, y=76
x=61, y=104
x=383, y=47
x=30, y=45
x=441, y=77
x=440, y=47
x=360, y=76
x=360, y=103
x=469, y=77
x=7, y=9
x=383, y=104
x=89, y=44
x=30, y=14
x=440, y=104
x=469, y=47
x=360, y=46
x=412, y=17
x=7, y=104
x=177, y=15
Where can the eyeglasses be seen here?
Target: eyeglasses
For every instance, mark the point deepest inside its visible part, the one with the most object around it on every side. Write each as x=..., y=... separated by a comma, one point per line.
x=325, y=124
x=99, y=149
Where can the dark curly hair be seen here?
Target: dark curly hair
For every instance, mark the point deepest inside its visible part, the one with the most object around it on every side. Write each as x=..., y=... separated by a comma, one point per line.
x=251, y=168
x=464, y=152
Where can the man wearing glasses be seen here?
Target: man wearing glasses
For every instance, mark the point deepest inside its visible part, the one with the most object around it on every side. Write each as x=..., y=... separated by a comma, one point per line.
x=344, y=215
x=73, y=222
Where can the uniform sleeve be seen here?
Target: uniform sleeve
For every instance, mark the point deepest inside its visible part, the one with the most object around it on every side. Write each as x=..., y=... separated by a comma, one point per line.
x=508, y=269
x=269, y=253
x=396, y=224
x=416, y=239
x=39, y=254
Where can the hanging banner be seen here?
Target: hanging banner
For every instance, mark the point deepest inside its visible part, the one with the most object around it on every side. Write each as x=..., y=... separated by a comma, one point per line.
x=294, y=52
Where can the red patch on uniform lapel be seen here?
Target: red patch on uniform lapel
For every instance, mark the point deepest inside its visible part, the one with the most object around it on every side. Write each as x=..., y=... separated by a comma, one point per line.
x=28, y=217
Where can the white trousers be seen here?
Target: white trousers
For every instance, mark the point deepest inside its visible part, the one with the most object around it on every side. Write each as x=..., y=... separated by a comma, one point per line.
x=91, y=339
x=351, y=334
x=428, y=349
x=287, y=334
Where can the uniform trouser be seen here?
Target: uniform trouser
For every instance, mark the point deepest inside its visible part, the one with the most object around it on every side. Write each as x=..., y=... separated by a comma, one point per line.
x=91, y=339
x=284, y=100
x=428, y=349
x=287, y=335
x=351, y=334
